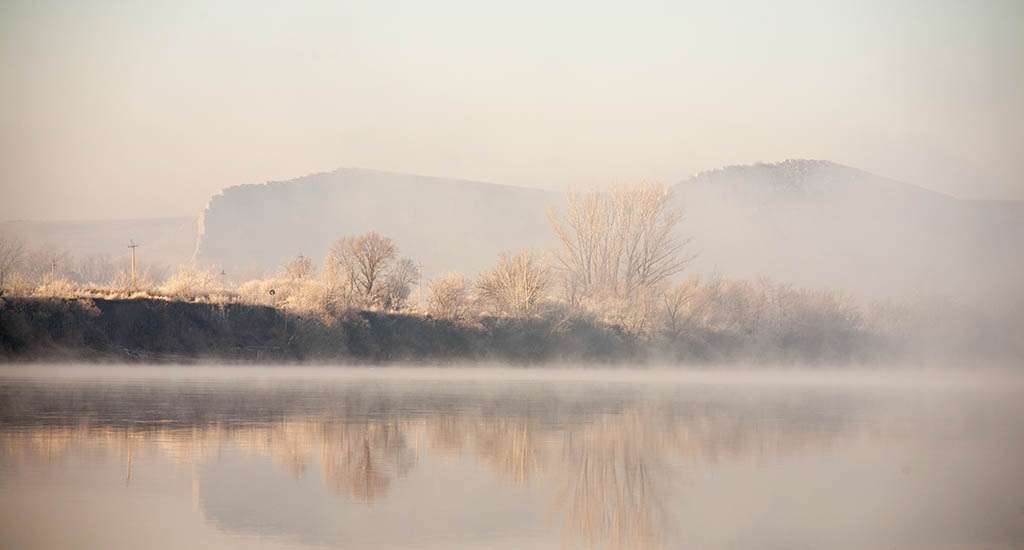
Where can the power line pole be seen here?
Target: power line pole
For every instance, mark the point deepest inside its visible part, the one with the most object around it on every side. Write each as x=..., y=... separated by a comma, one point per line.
x=133, y=246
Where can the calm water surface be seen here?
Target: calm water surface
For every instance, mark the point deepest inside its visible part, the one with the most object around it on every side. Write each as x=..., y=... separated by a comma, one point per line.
x=227, y=457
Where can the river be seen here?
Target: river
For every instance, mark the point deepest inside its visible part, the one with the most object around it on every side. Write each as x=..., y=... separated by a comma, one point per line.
x=289, y=457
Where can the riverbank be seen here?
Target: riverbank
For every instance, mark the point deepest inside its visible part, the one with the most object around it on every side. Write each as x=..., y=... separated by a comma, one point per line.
x=166, y=331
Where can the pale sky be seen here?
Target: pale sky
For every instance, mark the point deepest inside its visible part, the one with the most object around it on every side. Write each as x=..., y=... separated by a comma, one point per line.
x=146, y=108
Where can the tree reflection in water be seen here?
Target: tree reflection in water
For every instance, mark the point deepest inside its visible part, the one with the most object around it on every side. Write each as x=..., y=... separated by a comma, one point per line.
x=611, y=473
x=360, y=459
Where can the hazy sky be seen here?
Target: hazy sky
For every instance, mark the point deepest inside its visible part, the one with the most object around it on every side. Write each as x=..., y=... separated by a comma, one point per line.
x=136, y=109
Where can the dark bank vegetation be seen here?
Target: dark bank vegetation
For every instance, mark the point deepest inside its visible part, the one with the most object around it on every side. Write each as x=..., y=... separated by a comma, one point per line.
x=152, y=330
x=612, y=291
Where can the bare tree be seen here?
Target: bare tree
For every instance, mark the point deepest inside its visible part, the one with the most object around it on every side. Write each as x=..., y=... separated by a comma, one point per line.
x=298, y=268
x=515, y=286
x=44, y=261
x=191, y=282
x=393, y=292
x=615, y=243
x=675, y=302
x=145, y=279
x=365, y=271
x=12, y=252
x=448, y=297
x=94, y=269
x=363, y=259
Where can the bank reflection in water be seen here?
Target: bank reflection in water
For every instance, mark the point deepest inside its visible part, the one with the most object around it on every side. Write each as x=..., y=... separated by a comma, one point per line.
x=607, y=477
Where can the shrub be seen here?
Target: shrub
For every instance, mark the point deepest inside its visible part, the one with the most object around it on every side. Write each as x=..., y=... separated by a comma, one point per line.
x=448, y=297
x=516, y=286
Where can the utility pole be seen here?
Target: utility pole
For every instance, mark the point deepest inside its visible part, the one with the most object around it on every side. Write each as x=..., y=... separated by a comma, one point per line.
x=133, y=246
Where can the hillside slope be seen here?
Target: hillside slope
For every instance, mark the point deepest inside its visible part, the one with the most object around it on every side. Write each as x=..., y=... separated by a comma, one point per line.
x=823, y=224
x=443, y=224
x=807, y=222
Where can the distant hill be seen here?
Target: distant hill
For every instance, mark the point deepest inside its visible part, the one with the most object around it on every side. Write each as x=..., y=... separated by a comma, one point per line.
x=806, y=222
x=443, y=224
x=824, y=224
x=166, y=241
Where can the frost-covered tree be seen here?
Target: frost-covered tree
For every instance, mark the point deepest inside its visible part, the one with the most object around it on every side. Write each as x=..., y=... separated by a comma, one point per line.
x=94, y=269
x=515, y=286
x=361, y=261
x=44, y=261
x=617, y=250
x=366, y=271
x=12, y=253
x=617, y=243
x=190, y=282
x=393, y=292
x=298, y=268
x=448, y=297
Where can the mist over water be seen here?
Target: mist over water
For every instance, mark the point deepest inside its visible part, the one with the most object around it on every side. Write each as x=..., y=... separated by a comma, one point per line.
x=524, y=275
x=224, y=457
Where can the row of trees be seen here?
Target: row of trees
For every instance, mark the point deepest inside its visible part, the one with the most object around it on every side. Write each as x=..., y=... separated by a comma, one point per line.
x=27, y=269
x=359, y=272
x=617, y=252
x=615, y=248
x=616, y=260
x=367, y=272
x=616, y=263
x=617, y=257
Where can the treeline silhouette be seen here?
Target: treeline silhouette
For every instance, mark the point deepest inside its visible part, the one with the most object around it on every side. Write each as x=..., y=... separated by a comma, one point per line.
x=610, y=291
x=152, y=330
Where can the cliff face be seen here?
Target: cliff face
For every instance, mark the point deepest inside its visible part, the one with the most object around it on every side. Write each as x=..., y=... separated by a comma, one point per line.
x=440, y=223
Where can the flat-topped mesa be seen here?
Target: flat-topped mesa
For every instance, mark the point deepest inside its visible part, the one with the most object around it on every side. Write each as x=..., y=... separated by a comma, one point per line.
x=443, y=224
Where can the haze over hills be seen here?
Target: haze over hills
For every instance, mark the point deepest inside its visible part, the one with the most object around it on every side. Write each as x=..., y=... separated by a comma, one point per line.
x=820, y=223
x=443, y=224
x=807, y=222
x=165, y=241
